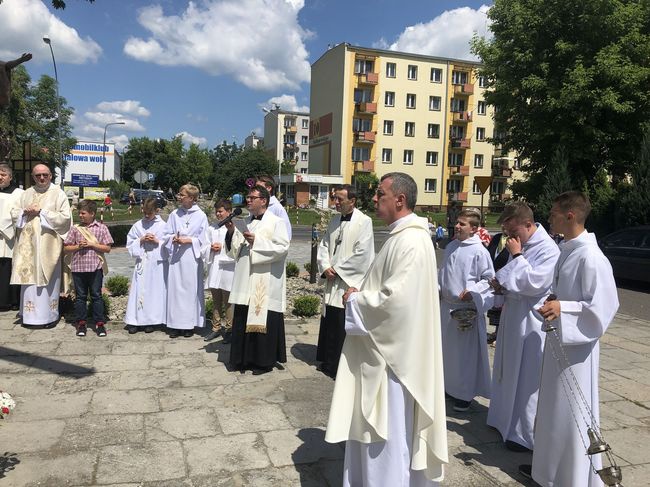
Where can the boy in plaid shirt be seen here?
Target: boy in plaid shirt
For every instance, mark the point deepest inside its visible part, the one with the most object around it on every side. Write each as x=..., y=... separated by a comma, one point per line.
x=88, y=242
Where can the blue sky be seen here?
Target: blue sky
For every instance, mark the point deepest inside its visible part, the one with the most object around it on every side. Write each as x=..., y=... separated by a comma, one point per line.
x=205, y=68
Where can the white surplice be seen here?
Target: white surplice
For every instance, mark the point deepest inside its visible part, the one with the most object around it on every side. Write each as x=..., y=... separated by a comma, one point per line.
x=520, y=341
x=185, y=296
x=584, y=284
x=278, y=210
x=349, y=248
x=221, y=267
x=466, y=265
x=388, y=403
x=147, y=304
x=7, y=228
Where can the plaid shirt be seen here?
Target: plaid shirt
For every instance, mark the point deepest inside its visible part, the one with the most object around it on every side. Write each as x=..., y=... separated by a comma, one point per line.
x=86, y=260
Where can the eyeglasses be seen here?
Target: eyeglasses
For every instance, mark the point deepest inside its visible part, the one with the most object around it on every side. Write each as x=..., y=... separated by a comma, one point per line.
x=251, y=198
x=42, y=175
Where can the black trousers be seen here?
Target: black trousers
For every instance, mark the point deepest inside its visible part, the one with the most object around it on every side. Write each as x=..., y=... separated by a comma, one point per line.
x=331, y=336
x=9, y=295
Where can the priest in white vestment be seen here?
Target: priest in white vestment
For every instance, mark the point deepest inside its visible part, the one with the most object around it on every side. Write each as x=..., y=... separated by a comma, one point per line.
x=464, y=283
x=388, y=403
x=344, y=256
x=9, y=196
x=525, y=282
x=184, y=241
x=275, y=206
x=586, y=302
x=43, y=218
x=259, y=287
x=147, y=304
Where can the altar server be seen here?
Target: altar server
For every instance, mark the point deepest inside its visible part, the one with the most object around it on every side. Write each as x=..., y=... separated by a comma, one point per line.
x=9, y=196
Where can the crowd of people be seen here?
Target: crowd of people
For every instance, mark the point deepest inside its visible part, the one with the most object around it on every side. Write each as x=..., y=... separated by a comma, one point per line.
x=400, y=337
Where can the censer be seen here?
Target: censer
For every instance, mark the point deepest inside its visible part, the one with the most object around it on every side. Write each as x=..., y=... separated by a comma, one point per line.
x=611, y=475
x=465, y=317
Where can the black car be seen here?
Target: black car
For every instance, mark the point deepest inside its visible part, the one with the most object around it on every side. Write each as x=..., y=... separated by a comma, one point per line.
x=628, y=250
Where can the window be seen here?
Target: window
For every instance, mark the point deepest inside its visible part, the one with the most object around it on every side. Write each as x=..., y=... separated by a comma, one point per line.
x=517, y=164
x=289, y=139
x=412, y=72
x=480, y=108
x=361, y=124
x=432, y=158
x=436, y=75
x=388, y=127
x=362, y=96
x=409, y=129
x=303, y=170
x=453, y=186
x=481, y=82
x=475, y=188
x=410, y=100
x=408, y=156
x=363, y=66
x=433, y=131
x=287, y=156
x=455, y=159
x=360, y=154
x=387, y=156
x=480, y=133
x=459, y=77
x=303, y=156
x=305, y=123
x=457, y=132
x=289, y=122
x=498, y=187
x=478, y=161
x=434, y=103
x=430, y=185
x=391, y=69
x=457, y=105
x=389, y=99
x=304, y=140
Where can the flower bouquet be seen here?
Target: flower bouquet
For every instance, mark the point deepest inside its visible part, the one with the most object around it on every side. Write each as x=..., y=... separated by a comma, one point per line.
x=6, y=404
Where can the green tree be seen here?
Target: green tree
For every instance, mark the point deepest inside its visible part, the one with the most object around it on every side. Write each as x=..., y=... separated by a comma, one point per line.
x=633, y=199
x=245, y=164
x=366, y=184
x=574, y=74
x=555, y=180
x=221, y=154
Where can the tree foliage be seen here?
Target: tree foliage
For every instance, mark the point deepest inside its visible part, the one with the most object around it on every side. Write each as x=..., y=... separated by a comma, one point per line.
x=366, y=184
x=247, y=163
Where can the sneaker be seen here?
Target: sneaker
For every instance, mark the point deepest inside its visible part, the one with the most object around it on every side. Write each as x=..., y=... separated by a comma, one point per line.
x=526, y=471
x=81, y=328
x=491, y=338
x=101, y=329
x=461, y=406
x=212, y=335
x=132, y=329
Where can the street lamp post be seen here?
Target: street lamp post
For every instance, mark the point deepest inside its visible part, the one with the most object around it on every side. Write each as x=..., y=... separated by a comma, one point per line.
x=104, y=146
x=47, y=41
x=266, y=110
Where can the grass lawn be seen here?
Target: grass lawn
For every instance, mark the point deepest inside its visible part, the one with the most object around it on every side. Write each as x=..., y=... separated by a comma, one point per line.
x=120, y=214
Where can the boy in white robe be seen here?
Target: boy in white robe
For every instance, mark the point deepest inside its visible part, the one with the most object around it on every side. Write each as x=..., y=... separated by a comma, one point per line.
x=586, y=302
x=9, y=195
x=147, y=304
x=525, y=281
x=464, y=284
x=221, y=268
x=184, y=240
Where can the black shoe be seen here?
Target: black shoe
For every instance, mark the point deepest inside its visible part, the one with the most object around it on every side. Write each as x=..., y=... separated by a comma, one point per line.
x=174, y=333
x=279, y=366
x=188, y=333
x=148, y=329
x=461, y=406
x=81, y=329
x=261, y=371
x=227, y=338
x=132, y=329
x=526, y=471
x=100, y=329
x=514, y=446
x=491, y=338
x=212, y=335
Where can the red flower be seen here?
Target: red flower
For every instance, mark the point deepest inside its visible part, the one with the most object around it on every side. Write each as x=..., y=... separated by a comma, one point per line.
x=5, y=410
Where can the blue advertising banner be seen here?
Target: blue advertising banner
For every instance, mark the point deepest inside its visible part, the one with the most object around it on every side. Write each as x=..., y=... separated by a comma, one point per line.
x=87, y=180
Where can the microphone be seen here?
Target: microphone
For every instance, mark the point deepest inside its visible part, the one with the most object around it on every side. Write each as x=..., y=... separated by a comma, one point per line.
x=228, y=219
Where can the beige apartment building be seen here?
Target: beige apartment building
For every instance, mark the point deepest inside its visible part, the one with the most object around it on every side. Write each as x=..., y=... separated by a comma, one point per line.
x=380, y=111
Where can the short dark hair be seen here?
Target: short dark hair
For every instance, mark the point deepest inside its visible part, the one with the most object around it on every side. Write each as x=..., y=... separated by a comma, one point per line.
x=264, y=193
x=404, y=184
x=351, y=190
x=223, y=203
x=518, y=211
x=268, y=181
x=87, y=205
x=576, y=202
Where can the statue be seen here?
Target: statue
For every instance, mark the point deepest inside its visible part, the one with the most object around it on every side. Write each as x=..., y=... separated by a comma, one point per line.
x=5, y=77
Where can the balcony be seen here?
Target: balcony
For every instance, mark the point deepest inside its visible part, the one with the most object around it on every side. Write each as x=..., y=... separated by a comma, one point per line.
x=368, y=78
x=501, y=172
x=364, y=137
x=459, y=197
x=462, y=117
x=464, y=89
x=459, y=170
x=292, y=146
x=461, y=143
x=364, y=166
x=367, y=107
x=292, y=129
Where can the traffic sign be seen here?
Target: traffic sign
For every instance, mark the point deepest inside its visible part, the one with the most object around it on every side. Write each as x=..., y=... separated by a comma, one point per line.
x=151, y=176
x=86, y=180
x=141, y=177
x=483, y=182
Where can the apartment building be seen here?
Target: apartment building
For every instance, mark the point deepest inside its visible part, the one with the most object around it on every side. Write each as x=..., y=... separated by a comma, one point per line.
x=381, y=111
x=253, y=141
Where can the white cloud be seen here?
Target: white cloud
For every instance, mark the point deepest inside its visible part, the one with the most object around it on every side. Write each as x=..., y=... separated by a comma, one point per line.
x=128, y=107
x=103, y=118
x=258, y=42
x=447, y=35
x=286, y=102
x=188, y=139
x=25, y=22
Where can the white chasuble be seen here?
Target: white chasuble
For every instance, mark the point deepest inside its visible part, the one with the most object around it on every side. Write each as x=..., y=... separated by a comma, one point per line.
x=389, y=390
x=185, y=301
x=466, y=265
x=7, y=226
x=349, y=248
x=147, y=304
x=584, y=284
x=520, y=341
x=221, y=267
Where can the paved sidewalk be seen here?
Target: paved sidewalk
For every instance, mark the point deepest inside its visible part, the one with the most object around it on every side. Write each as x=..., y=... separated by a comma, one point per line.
x=144, y=410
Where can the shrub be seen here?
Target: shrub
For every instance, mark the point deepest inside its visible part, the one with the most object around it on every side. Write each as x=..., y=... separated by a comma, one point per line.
x=306, y=305
x=307, y=267
x=118, y=285
x=107, y=307
x=292, y=269
x=209, y=308
x=119, y=233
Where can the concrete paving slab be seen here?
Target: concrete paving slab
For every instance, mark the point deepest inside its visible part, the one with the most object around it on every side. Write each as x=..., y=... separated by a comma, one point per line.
x=51, y=406
x=245, y=418
x=114, y=363
x=23, y=433
x=230, y=453
x=46, y=470
x=296, y=446
x=182, y=425
x=98, y=430
x=125, y=402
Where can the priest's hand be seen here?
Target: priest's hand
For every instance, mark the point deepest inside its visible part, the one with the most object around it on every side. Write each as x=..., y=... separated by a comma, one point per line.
x=465, y=295
x=550, y=310
x=250, y=237
x=496, y=285
x=215, y=247
x=513, y=244
x=346, y=296
x=330, y=274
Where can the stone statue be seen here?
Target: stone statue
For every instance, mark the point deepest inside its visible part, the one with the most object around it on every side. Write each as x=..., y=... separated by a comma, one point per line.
x=5, y=77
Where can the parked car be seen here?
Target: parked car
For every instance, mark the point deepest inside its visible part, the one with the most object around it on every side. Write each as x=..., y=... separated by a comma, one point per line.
x=628, y=250
x=142, y=194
